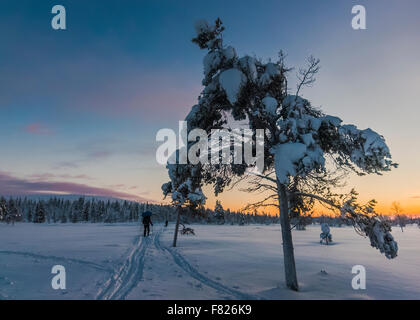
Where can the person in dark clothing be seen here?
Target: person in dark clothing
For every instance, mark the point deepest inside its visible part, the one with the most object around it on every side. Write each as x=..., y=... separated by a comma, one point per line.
x=147, y=221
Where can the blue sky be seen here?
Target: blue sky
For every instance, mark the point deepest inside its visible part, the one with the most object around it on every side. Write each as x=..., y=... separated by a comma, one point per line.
x=82, y=106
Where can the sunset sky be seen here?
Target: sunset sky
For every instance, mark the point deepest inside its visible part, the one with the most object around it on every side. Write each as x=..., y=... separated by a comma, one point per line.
x=80, y=108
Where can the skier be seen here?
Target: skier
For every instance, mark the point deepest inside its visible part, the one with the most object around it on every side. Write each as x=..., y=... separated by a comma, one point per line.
x=147, y=221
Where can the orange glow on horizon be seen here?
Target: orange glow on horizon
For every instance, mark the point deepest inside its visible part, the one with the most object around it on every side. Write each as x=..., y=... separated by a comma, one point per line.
x=411, y=207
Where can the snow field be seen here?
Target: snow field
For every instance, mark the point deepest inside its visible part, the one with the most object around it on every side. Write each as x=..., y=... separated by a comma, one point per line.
x=112, y=261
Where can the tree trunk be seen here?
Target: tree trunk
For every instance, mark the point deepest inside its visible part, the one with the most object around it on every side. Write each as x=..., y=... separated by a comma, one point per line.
x=286, y=233
x=178, y=218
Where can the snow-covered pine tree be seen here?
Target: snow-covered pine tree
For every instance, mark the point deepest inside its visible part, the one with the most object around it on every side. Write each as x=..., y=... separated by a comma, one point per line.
x=39, y=216
x=29, y=215
x=3, y=209
x=86, y=211
x=219, y=212
x=299, y=139
x=13, y=214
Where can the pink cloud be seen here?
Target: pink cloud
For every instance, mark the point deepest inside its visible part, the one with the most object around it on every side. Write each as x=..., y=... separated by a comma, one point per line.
x=48, y=176
x=38, y=128
x=10, y=185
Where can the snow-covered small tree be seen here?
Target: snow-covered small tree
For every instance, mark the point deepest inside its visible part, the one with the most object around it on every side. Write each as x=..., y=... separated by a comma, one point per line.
x=303, y=147
x=301, y=221
x=400, y=218
x=325, y=234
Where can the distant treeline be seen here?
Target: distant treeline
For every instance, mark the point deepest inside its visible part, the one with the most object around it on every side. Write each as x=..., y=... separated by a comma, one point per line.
x=57, y=210
x=400, y=220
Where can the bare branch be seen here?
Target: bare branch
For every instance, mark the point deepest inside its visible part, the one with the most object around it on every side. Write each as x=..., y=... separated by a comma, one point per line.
x=307, y=76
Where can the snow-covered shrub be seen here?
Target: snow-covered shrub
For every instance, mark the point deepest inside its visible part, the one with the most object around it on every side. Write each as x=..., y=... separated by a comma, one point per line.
x=325, y=234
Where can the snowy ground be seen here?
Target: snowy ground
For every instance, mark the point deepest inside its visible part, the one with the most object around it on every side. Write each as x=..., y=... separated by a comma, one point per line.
x=221, y=262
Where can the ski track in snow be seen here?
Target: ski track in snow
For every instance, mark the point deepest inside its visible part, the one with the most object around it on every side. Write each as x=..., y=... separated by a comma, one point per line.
x=55, y=258
x=194, y=273
x=128, y=275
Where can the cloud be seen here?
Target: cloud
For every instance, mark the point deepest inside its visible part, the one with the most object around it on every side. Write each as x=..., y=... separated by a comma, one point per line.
x=10, y=185
x=38, y=128
x=79, y=176
x=47, y=176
